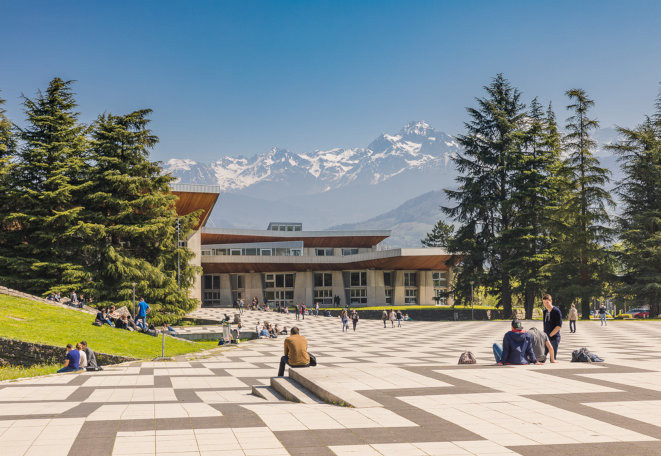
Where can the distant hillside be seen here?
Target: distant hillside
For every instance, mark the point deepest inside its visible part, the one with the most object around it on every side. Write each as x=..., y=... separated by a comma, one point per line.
x=409, y=222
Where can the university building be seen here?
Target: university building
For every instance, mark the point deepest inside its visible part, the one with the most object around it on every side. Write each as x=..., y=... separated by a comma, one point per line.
x=286, y=265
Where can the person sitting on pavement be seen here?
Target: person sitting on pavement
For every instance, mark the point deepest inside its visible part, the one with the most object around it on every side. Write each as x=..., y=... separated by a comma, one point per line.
x=264, y=333
x=91, y=357
x=284, y=331
x=273, y=332
x=72, y=360
x=83, y=356
x=540, y=341
x=516, y=348
x=296, y=352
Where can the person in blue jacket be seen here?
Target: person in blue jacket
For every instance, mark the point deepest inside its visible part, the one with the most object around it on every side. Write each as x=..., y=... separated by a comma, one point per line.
x=517, y=347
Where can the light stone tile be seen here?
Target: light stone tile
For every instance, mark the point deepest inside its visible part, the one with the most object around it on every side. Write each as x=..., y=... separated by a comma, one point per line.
x=36, y=393
x=36, y=408
x=206, y=382
x=645, y=411
x=120, y=380
x=132, y=395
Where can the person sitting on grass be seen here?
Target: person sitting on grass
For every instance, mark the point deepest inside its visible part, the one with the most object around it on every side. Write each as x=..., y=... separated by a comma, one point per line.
x=91, y=357
x=72, y=360
x=102, y=318
x=296, y=352
x=516, y=348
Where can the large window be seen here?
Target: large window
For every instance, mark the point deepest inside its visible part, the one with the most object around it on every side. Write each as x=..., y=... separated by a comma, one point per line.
x=358, y=295
x=410, y=279
x=279, y=289
x=210, y=290
x=440, y=279
x=323, y=279
x=323, y=252
x=410, y=296
x=389, y=296
x=387, y=279
x=349, y=251
x=358, y=279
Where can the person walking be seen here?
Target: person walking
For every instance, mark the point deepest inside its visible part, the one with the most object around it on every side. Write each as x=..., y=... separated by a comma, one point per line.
x=399, y=318
x=298, y=311
x=393, y=317
x=354, y=320
x=384, y=317
x=552, y=322
x=316, y=309
x=345, y=321
x=573, y=316
x=602, y=315
x=241, y=304
x=303, y=311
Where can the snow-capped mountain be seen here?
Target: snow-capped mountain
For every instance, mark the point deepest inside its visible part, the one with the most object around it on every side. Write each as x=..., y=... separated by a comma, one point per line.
x=416, y=147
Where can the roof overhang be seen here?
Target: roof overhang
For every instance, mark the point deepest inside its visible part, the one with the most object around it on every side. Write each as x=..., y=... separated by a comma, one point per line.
x=358, y=238
x=191, y=198
x=394, y=259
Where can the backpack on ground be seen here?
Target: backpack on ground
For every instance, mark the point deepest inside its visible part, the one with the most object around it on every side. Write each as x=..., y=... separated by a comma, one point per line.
x=582, y=355
x=467, y=358
x=595, y=358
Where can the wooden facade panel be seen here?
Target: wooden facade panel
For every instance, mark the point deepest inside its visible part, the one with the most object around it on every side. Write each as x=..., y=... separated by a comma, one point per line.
x=188, y=202
x=327, y=241
x=395, y=263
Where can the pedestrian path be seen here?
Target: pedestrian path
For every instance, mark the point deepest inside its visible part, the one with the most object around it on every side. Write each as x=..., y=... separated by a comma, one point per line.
x=418, y=401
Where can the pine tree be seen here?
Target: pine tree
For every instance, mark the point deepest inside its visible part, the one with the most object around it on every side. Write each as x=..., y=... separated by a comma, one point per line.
x=583, y=261
x=534, y=198
x=640, y=221
x=7, y=151
x=50, y=180
x=439, y=236
x=131, y=221
x=484, y=207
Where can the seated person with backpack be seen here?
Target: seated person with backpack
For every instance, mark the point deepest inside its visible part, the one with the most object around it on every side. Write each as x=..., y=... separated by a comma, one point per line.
x=516, y=348
x=296, y=352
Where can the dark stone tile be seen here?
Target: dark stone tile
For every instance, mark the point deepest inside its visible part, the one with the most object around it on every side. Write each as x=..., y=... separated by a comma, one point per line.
x=82, y=410
x=135, y=425
x=187, y=395
x=163, y=424
x=162, y=381
x=95, y=438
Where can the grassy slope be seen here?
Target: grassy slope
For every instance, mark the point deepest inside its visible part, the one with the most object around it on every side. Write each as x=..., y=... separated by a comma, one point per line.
x=42, y=323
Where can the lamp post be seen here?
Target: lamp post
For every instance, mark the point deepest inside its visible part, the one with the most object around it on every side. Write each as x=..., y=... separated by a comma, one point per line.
x=472, y=300
x=133, y=284
x=178, y=242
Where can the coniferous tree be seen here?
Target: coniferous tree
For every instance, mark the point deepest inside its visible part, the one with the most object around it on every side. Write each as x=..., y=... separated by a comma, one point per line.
x=484, y=207
x=439, y=236
x=534, y=198
x=640, y=221
x=582, y=259
x=7, y=151
x=50, y=179
x=131, y=220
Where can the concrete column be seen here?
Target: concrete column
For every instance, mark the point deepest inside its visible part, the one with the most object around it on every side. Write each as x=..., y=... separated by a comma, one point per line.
x=309, y=289
x=338, y=286
x=371, y=287
x=253, y=287
x=225, y=291
x=450, y=277
x=195, y=245
x=426, y=288
x=398, y=288
x=301, y=283
x=379, y=289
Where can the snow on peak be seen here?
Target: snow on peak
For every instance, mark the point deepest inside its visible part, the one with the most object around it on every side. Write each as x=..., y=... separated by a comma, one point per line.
x=417, y=128
x=180, y=164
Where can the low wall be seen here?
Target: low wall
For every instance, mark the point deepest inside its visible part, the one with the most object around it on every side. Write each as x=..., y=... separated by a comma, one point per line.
x=26, y=354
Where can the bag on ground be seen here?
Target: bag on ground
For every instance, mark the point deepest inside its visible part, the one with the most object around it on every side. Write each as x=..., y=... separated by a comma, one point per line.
x=582, y=355
x=467, y=358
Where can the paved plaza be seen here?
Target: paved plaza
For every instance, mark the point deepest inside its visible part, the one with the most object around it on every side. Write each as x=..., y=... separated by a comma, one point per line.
x=412, y=397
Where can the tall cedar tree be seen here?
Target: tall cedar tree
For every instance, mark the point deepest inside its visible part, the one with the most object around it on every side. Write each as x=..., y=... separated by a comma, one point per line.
x=439, y=236
x=43, y=241
x=7, y=151
x=582, y=259
x=131, y=221
x=484, y=207
x=534, y=198
x=640, y=221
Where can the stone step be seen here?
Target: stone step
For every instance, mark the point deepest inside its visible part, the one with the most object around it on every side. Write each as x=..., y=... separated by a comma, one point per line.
x=267, y=393
x=335, y=394
x=292, y=391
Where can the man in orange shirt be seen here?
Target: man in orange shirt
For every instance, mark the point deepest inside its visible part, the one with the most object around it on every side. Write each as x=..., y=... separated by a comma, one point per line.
x=296, y=352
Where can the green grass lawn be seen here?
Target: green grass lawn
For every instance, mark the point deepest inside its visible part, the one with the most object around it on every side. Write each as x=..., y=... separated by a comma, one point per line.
x=11, y=372
x=37, y=322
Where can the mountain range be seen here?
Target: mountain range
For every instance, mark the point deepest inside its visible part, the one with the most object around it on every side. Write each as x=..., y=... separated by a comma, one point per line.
x=393, y=183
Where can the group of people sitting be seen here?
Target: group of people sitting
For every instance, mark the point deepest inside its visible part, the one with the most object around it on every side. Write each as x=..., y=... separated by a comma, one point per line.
x=522, y=346
x=124, y=320
x=74, y=299
x=80, y=357
x=392, y=316
x=269, y=331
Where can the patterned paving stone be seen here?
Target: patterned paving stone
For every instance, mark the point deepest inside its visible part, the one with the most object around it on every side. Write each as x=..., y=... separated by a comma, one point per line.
x=423, y=402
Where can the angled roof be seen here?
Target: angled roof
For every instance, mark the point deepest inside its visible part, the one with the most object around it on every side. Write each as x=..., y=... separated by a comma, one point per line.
x=194, y=197
x=354, y=238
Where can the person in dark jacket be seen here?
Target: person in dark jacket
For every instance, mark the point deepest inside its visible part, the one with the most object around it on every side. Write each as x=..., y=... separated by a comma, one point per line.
x=552, y=322
x=517, y=347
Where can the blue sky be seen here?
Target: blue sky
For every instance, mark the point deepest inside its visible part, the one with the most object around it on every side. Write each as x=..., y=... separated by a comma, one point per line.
x=229, y=78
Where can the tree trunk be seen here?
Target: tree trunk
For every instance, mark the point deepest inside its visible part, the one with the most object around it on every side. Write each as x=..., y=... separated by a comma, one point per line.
x=585, y=308
x=529, y=302
x=506, y=296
